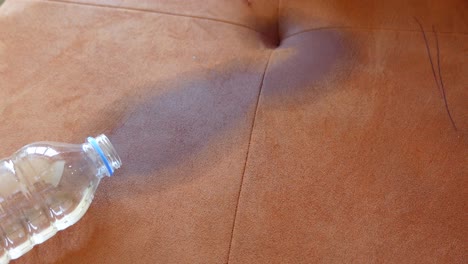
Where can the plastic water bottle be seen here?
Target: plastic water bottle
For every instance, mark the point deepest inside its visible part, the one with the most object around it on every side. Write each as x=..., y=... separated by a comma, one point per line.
x=46, y=187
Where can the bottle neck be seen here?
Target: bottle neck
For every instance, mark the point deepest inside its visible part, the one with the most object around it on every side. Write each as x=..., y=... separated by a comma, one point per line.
x=107, y=157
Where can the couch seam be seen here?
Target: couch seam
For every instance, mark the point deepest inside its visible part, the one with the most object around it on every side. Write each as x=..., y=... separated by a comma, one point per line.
x=367, y=29
x=278, y=25
x=252, y=127
x=143, y=10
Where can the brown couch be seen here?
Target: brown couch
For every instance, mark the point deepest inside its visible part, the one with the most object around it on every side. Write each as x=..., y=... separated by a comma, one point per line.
x=253, y=131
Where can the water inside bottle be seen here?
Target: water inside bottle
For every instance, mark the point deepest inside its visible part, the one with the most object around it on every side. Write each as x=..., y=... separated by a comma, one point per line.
x=31, y=215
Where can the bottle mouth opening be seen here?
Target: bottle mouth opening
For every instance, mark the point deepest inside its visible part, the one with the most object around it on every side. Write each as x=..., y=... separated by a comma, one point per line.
x=107, y=152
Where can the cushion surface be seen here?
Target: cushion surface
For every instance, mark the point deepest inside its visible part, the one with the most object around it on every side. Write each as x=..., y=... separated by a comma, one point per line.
x=250, y=131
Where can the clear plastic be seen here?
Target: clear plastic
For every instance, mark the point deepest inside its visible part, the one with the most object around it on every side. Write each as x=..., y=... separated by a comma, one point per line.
x=46, y=187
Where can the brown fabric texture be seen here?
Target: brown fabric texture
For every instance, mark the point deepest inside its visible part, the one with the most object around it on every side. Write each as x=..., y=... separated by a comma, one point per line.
x=250, y=131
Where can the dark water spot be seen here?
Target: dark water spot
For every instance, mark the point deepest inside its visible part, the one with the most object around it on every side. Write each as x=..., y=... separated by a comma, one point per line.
x=169, y=124
x=165, y=130
x=301, y=62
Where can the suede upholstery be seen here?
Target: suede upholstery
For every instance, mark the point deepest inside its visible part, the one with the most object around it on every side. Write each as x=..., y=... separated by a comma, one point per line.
x=251, y=131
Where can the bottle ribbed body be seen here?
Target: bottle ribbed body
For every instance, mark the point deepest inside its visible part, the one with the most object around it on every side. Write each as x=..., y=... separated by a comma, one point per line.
x=46, y=187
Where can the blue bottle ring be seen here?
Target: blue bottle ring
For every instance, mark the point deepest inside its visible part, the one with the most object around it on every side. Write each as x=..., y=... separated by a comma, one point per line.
x=98, y=149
